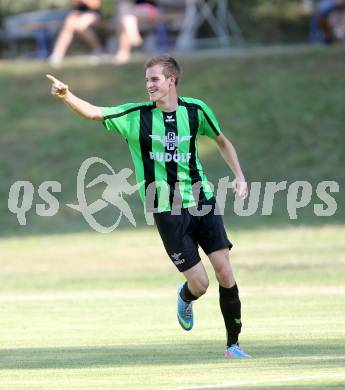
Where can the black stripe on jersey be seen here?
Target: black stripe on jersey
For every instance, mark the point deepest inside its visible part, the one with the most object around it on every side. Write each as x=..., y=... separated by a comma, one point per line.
x=146, y=147
x=193, y=169
x=213, y=127
x=171, y=146
x=210, y=123
x=127, y=111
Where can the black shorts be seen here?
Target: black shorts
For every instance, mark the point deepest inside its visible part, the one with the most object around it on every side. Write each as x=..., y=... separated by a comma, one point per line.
x=181, y=235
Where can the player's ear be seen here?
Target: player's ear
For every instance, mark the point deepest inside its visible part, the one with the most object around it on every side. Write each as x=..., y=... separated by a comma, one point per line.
x=172, y=80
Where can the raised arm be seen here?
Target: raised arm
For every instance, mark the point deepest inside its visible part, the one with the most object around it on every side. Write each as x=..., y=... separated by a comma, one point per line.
x=229, y=154
x=75, y=104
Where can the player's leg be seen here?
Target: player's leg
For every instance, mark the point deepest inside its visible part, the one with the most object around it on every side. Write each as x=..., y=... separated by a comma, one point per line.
x=195, y=286
x=213, y=239
x=229, y=301
x=183, y=251
x=196, y=281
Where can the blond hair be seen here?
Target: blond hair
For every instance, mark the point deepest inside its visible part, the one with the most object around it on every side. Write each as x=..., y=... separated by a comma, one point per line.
x=169, y=64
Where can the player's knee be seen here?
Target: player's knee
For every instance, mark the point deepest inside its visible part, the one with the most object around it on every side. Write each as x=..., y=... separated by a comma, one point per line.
x=224, y=273
x=200, y=286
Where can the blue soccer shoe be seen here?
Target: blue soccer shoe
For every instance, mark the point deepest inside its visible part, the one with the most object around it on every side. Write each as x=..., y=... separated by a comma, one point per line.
x=184, y=311
x=235, y=352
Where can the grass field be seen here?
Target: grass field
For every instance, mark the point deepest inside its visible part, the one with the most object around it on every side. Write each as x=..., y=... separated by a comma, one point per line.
x=77, y=311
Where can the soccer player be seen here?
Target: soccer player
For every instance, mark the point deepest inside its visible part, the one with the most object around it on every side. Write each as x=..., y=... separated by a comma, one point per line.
x=162, y=137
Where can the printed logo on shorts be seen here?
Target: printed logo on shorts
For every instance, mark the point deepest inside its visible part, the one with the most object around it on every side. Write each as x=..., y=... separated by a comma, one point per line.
x=176, y=258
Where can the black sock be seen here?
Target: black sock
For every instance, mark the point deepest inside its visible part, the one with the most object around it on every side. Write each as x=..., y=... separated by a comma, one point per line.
x=186, y=295
x=230, y=305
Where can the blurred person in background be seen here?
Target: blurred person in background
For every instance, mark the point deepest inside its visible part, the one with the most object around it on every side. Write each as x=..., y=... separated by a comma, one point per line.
x=83, y=14
x=129, y=16
x=330, y=16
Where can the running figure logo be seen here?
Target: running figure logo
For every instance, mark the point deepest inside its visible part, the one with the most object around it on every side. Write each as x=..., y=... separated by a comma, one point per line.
x=116, y=185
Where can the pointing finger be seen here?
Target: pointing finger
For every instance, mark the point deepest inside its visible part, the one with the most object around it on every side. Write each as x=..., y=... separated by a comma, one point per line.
x=53, y=79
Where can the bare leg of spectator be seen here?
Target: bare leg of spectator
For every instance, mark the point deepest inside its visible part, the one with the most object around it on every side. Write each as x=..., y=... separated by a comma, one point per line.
x=83, y=29
x=64, y=39
x=131, y=26
x=75, y=22
x=339, y=26
x=129, y=36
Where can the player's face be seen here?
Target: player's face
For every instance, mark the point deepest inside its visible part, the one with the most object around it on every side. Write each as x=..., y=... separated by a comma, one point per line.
x=157, y=85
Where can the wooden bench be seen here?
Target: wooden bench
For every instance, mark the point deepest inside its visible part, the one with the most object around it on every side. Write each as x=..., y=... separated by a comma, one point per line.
x=31, y=33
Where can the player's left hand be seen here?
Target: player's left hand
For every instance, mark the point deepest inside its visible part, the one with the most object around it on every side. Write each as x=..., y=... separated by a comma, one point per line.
x=239, y=186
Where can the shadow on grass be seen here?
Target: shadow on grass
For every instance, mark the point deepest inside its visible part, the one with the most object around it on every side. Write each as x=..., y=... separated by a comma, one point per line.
x=301, y=354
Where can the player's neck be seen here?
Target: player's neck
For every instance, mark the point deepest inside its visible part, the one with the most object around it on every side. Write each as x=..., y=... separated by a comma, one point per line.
x=168, y=103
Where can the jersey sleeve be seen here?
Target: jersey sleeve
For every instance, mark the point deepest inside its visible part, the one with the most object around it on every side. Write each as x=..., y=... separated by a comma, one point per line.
x=209, y=124
x=117, y=119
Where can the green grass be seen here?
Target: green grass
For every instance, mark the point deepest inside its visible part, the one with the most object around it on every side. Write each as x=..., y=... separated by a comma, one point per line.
x=90, y=311
x=76, y=261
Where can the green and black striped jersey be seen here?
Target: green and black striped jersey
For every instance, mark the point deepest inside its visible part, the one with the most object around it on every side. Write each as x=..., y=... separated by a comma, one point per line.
x=164, y=149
